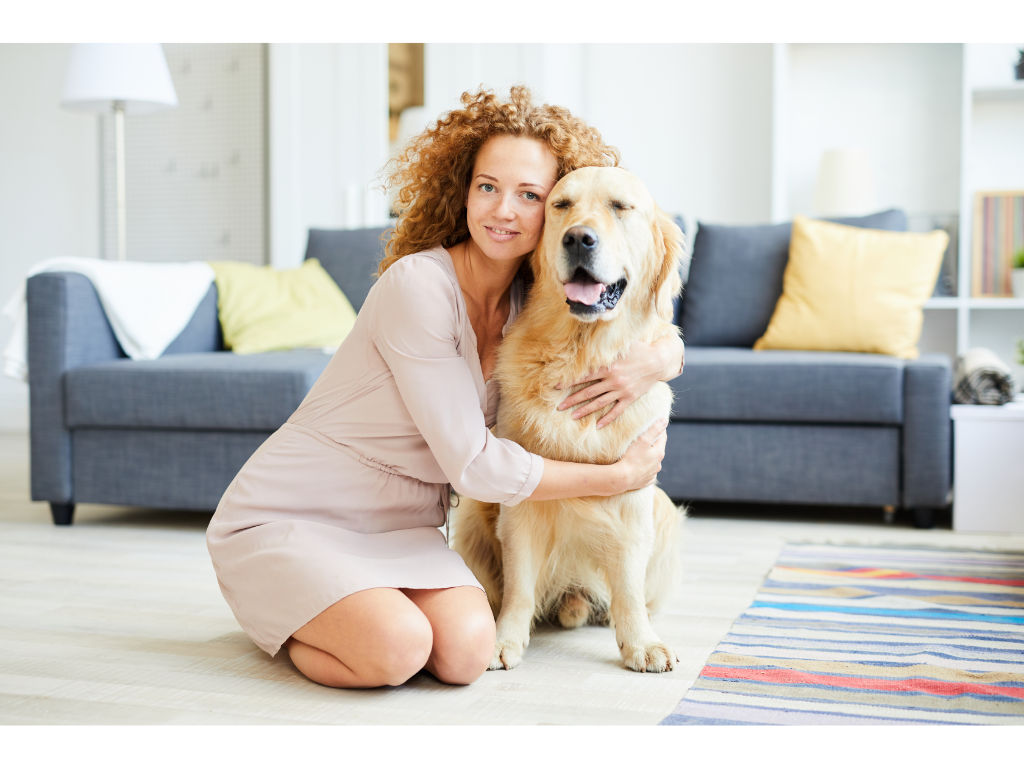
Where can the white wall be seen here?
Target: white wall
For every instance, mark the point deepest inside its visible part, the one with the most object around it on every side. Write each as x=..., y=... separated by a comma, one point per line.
x=900, y=102
x=692, y=121
x=328, y=133
x=49, y=197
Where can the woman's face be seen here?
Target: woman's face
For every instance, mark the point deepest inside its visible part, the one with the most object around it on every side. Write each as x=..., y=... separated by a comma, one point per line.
x=512, y=177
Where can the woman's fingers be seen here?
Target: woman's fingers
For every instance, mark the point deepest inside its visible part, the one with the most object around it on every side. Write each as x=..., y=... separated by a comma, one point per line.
x=596, y=389
x=594, y=405
x=613, y=414
x=644, y=456
x=656, y=432
x=594, y=376
x=579, y=397
x=660, y=442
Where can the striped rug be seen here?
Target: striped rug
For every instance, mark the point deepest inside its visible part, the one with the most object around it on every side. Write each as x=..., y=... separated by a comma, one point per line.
x=871, y=635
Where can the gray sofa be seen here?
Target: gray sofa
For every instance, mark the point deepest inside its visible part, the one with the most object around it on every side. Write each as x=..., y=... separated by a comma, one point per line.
x=795, y=427
x=168, y=433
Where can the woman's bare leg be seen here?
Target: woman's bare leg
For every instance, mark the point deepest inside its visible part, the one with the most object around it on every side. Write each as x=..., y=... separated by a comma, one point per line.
x=368, y=639
x=463, y=630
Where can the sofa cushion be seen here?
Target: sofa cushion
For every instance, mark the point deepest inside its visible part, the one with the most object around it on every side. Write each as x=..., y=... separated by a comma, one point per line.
x=736, y=278
x=263, y=309
x=848, y=289
x=350, y=256
x=214, y=391
x=731, y=384
x=203, y=332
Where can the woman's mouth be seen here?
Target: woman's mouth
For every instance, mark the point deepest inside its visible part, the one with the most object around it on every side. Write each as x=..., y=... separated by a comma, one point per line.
x=501, y=234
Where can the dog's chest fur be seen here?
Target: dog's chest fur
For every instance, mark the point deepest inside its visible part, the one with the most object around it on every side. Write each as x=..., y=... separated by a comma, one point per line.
x=528, y=409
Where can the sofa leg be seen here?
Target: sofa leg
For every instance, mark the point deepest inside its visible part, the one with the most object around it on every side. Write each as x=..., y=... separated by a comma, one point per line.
x=63, y=514
x=924, y=517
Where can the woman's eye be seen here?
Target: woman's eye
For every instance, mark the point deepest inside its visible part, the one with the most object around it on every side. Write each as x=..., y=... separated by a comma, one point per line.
x=486, y=187
x=532, y=196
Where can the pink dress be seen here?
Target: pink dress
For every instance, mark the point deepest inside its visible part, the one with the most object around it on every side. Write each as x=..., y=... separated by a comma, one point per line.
x=349, y=493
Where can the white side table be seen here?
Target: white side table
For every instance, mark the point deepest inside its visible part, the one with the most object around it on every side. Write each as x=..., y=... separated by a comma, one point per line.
x=988, y=467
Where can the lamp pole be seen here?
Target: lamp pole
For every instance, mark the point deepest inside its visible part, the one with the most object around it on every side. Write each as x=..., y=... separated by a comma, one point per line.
x=122, y=228
x=125, y=77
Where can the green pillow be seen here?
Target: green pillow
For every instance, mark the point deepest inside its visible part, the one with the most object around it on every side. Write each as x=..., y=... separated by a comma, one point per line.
x=263, y=309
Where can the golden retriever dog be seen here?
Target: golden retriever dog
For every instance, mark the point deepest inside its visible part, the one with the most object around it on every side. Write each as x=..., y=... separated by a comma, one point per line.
x=606, y=271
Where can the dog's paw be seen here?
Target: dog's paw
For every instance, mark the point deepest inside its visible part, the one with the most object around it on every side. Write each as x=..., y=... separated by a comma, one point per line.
x=507, y=655
x=652, y=657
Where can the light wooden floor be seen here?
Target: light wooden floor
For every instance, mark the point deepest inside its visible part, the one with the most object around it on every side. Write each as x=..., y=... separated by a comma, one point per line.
x=118, y=619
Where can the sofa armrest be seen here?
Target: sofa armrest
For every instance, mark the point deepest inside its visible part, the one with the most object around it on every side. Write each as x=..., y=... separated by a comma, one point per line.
x=67, y=328
x=927, y=431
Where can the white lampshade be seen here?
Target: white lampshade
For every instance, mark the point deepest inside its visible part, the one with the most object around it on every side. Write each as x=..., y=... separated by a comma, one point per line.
x=135, y=74
x=846, y=183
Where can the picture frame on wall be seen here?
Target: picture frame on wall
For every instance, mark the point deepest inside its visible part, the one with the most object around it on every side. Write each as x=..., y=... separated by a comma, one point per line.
x=998, y=234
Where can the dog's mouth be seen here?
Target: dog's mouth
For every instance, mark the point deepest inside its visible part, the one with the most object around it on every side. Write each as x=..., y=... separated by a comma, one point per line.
x=586, y=296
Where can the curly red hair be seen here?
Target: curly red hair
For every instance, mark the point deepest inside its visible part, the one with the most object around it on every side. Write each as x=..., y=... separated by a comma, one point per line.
x=433, y=171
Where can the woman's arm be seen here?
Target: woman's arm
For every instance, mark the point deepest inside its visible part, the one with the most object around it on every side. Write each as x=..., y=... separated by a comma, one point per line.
x=413, y=324
x=637, y=469
x=629, y=378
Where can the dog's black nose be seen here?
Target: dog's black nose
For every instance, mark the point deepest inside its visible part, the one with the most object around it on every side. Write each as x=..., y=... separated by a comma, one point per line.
x=580, y=242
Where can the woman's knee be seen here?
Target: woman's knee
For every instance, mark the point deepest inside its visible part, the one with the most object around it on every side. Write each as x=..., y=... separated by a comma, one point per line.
x=463, y=650
x=404, y=646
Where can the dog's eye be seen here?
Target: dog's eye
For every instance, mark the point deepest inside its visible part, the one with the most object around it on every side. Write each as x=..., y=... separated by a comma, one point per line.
x=620, y=206
x=562, y=205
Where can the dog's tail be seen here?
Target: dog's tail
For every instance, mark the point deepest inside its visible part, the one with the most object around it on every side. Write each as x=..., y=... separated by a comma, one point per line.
x=664, y=569
x=474, y=537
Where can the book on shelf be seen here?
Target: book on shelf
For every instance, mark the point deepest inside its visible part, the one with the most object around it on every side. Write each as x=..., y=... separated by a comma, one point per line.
x=998, y=235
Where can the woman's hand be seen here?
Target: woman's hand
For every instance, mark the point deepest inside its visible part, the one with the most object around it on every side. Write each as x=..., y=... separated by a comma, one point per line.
x=629, y=378
x=638, y=468
x=641, y=462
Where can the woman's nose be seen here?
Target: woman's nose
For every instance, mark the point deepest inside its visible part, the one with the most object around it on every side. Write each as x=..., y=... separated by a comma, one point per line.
x=505, y=207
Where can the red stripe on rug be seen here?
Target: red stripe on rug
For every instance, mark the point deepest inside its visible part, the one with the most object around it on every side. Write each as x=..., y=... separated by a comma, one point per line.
x=916, y=685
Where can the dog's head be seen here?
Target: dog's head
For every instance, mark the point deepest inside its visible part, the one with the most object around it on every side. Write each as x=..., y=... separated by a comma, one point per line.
x=608, y=246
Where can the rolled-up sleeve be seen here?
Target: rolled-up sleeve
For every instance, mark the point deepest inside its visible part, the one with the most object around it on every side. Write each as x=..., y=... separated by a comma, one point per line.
x=416, y=330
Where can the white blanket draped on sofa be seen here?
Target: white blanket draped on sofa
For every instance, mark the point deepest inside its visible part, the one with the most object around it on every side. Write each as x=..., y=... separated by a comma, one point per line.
x=148, y=304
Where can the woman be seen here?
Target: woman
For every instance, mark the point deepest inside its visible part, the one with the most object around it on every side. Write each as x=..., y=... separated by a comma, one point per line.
x=327, y=541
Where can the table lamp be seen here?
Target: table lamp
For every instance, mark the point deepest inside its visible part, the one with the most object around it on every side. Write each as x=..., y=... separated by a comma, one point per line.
x=123, y=77
x=846, y=184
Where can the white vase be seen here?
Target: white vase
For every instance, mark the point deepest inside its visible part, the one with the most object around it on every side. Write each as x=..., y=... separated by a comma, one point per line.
x=1017, y=281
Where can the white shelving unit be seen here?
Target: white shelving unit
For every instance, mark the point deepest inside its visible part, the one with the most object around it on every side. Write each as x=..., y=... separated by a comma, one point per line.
x=991, y=158
x=903, y=103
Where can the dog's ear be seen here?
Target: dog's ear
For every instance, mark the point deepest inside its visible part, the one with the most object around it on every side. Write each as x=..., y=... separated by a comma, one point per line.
x=669, y=240
x=538, y=258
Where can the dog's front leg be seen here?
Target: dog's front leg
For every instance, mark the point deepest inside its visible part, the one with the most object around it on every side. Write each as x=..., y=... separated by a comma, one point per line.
x=640, y=646
x=518, y=602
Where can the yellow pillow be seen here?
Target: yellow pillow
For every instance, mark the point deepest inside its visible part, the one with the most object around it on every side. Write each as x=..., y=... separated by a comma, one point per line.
x=848, y=289
x=263, y=309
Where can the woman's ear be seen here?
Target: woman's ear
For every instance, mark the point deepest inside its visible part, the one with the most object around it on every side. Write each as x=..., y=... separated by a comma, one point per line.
x=671, y=245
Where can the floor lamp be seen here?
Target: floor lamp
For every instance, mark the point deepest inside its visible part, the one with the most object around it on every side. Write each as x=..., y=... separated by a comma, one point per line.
x=123, y=77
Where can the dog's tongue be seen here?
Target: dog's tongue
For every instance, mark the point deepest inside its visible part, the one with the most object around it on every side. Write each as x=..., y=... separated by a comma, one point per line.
x=584, y=293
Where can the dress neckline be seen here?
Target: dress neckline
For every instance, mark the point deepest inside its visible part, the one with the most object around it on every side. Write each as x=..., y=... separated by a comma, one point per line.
x=515, y=299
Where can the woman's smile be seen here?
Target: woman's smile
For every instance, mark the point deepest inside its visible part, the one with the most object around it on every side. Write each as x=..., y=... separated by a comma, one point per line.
x=501, y=235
